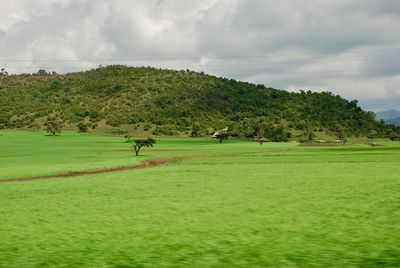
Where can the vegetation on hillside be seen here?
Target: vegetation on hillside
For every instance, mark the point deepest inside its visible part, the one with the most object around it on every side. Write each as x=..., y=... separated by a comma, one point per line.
x=168, y=102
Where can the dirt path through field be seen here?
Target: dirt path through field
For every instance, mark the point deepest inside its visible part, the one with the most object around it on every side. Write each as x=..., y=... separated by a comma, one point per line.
x=146, y=164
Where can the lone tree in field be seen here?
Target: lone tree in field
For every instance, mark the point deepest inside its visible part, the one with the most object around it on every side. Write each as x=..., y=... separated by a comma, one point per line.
x=143, y=143
x=53, y=127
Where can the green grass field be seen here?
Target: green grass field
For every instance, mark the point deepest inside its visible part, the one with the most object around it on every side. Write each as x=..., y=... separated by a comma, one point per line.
x=236, y=204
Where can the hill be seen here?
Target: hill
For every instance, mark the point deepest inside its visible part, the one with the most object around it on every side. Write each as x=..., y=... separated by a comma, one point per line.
x=394, y=121
x=388, y=114
x=169, y=102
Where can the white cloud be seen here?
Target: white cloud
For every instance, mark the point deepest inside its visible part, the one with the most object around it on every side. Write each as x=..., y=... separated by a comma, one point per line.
x=392, y=86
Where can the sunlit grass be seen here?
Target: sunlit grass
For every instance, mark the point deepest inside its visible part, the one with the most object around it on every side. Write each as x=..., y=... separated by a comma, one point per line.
x=237, y=204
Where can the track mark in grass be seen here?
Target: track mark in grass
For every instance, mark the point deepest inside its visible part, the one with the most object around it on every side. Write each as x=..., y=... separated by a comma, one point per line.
x=130, y=150
x=146, y=164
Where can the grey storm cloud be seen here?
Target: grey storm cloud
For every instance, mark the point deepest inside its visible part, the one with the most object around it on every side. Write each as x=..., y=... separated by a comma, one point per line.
x=351, y=48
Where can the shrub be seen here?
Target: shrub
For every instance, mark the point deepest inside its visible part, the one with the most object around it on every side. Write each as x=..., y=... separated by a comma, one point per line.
x=277, y=134
x=147, y=127
x=53, y=126
x=82, y=127
x=168, y=130
x=311, y=136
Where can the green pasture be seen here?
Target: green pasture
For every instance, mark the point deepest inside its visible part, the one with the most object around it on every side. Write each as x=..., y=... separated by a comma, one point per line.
x=236, y=204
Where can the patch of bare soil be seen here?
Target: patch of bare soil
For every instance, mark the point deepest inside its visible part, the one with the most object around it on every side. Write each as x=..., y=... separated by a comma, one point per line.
x=146, y=164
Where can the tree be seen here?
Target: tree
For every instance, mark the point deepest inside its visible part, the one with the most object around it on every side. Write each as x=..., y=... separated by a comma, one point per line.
x=196, y=128
x=41, y=72
x=53, y=127
x=140, y=143
x=222, y=136
x=301, y=125
x=3, y=72
x=311, y=136
x=342, y=136
x=372, y=134
x=394, y=136
x=259, y=126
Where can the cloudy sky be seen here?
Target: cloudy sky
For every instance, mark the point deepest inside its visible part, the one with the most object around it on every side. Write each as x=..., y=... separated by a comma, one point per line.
x=349, y=47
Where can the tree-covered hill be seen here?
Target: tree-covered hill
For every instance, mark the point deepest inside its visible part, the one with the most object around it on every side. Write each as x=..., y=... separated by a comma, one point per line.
x=168, y=102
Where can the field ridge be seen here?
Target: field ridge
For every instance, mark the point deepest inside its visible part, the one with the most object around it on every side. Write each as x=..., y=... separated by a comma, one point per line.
x=145, y=164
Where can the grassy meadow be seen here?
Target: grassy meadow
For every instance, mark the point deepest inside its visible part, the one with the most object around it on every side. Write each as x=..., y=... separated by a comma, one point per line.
x=236, y=204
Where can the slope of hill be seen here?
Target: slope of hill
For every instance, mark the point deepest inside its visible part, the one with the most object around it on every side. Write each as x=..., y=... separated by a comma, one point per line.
x=394, y=121
x=388, y=114
x=167, y=102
